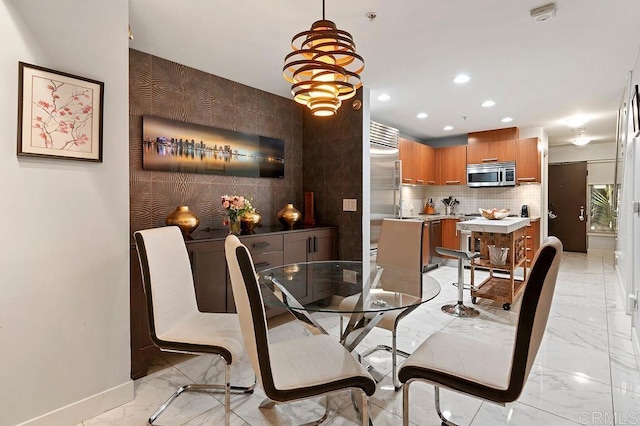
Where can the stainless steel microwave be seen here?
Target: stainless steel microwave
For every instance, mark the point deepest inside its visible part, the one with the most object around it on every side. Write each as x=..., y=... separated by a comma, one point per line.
x=491, y=174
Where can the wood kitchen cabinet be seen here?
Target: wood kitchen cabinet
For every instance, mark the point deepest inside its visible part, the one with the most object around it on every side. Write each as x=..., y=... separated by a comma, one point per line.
x=266, y=251
x=427, y=168
x=310, y=246
x=533, y=240
x=451, y=165
x=425, y=246
x=418, y=163
x=450, y=234
x=528, y=160
x=408, y=151
x=508, y=133
x=491, y=152
x=492, y=146
x=209, y=268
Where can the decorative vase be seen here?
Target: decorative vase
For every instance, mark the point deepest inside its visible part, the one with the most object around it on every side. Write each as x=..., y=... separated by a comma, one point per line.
x=309, y=219
x=184, y=219
x=249, y=221
x=234, y=227
x=289, y=216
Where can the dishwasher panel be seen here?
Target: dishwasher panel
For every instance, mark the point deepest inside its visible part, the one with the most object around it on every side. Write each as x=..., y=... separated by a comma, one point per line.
x=435, y=240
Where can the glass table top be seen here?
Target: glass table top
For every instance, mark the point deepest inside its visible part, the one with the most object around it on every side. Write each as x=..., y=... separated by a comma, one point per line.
x=321, y=286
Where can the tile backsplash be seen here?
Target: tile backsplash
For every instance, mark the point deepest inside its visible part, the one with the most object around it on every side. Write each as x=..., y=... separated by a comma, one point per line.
x=472, y=199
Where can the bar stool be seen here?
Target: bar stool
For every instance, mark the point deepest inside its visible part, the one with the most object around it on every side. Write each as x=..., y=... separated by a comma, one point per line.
x=459, y=309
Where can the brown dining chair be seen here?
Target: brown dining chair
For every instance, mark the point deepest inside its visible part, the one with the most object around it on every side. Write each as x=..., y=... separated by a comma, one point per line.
x=175, y=324
x=467, y=365
x=400, y=247
x=293, y=369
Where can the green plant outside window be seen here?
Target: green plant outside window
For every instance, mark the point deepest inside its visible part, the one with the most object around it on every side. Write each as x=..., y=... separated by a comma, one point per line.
x=603, y=216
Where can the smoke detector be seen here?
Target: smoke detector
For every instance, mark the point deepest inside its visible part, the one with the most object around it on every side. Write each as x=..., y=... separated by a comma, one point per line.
x=543, y=13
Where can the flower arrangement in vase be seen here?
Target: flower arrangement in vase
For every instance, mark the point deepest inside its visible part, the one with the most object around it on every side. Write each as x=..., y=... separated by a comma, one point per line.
x=235, y=206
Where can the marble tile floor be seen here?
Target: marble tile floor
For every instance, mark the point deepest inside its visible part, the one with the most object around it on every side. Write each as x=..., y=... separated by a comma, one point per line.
x=585, y=371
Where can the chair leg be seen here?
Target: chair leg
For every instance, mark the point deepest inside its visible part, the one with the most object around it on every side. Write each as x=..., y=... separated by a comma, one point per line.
x=366, y=421
x=394, y=357
x=227, y=394
x=195, y=387
x=394, y=360
x=445, y=421
x=405, y=404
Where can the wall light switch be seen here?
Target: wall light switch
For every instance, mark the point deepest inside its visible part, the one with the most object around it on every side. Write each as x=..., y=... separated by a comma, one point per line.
x=349, y=204
x=349, y=276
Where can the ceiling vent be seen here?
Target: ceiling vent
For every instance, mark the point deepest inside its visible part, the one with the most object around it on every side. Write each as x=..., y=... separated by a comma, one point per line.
x=384, y=135
x=543, y=13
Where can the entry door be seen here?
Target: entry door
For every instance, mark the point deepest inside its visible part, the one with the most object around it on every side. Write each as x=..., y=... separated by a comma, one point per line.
x=568, y=204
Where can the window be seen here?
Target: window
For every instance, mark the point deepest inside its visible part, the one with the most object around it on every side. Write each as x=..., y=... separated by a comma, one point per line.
x=602, y=217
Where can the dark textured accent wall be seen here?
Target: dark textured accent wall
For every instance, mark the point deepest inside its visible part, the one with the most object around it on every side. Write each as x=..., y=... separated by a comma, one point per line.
x=167, y=89
x=332, y=164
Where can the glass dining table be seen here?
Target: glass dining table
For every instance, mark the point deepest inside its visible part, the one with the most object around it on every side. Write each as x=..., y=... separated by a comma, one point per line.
x=373, y=289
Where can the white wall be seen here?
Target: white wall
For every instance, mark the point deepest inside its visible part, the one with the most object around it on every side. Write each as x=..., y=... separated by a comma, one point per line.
x=64, y=268
x=592, y=151
x=628, y=244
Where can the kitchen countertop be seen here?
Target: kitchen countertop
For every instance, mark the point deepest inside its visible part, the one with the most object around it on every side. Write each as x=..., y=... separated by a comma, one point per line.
x=502, y=226
x=461, y=216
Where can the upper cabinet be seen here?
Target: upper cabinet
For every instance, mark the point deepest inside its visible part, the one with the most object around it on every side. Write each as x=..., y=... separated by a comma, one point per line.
x=451, y=165
x=418, y=163
x=492, y=146
x=427, y=157
x=407, y=156
x=528, y=160
x=490, y=152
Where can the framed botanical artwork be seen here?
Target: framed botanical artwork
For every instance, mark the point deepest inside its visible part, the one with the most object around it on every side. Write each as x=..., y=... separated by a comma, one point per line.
x=59, y=114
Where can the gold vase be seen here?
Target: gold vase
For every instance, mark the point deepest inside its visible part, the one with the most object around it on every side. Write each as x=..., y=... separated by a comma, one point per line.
x=289, y=216
x=184, y=219
x=249, y=221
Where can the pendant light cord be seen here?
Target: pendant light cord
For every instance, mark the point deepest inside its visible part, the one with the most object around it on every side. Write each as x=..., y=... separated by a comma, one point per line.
x=323, y=10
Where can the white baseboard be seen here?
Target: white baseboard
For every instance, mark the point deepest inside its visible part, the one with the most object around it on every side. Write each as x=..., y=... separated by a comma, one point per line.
x=87, y=408
x=635, y=338
x=600, y=253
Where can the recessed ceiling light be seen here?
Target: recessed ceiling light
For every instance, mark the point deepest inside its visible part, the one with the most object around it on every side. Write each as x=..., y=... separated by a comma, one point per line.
x=507, y=120
x=575, y=121
x=447, y=128
x=422, y=115
x=488, y=103
x=384, y=97
x=461, y=79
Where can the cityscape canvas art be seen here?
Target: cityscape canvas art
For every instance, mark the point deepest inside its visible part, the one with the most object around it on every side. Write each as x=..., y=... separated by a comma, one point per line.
x=175, y=146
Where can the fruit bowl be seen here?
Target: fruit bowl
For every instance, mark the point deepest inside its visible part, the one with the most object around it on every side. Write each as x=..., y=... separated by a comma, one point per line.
x=495, y=214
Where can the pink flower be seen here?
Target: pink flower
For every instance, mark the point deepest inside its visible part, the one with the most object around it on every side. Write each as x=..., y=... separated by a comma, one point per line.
x=225, y=204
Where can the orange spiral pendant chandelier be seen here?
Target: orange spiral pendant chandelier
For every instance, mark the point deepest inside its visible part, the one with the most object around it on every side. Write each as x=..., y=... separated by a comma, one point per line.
x=323, y=67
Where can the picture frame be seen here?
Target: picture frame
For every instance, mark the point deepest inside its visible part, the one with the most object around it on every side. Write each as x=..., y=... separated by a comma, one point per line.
x=635, y=111
x=59, y=114
x=176, y=146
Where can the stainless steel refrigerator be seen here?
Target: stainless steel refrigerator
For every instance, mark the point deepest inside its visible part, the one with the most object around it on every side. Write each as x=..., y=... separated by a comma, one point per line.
x=386, y=178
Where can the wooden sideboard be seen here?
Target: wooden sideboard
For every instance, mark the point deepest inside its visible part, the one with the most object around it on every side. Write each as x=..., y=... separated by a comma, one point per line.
x=269, y=247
